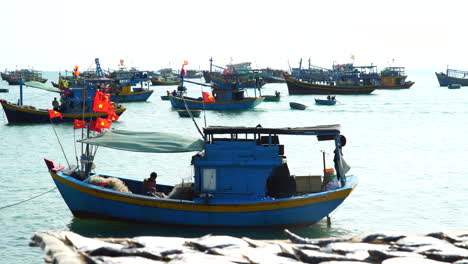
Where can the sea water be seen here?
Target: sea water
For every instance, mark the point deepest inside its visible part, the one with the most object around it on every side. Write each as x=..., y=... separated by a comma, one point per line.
x=408, y=149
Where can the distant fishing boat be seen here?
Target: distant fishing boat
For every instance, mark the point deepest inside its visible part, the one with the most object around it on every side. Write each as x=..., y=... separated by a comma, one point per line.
x=297, y=87
x=13, y=77
x=165, y=97
x=298, y=106
x=71, y=108
x=240, y=178
x=452, y=77
x=4, y=90
x=185, y=113
x=394, y=78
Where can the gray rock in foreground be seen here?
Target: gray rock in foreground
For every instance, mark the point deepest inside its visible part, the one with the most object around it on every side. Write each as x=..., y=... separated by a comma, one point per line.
x=64, y=247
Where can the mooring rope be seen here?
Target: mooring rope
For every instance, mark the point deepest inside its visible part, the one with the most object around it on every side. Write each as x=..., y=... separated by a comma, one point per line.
x=6, y=206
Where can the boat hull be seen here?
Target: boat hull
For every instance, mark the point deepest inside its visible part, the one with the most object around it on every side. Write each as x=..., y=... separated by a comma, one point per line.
x=244, y=104
x=324, y=102
x=445, y=80
x=297, y=106
x=185, y=113
x=132, y=97
x=27, y=114
x=85, y=200
x=296, y=87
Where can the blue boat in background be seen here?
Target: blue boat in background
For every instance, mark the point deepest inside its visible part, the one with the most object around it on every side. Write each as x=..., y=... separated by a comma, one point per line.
x=452, y=77
x=241, y=178
x=331, y=100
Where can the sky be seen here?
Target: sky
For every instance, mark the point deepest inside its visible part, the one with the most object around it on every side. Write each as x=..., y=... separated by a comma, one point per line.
x=151, y=34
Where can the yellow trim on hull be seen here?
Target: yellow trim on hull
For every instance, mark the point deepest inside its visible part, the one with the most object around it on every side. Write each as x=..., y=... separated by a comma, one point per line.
x=213, y=208
x=219, y=103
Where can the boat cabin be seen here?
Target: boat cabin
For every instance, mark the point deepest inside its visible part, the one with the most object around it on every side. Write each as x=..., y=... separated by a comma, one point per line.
x=249, y=163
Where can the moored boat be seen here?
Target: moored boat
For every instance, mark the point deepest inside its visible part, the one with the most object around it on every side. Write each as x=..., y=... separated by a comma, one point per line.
x=13, y=77
x=452, y=77
x=394, y=78
x=331, y=100
x=272, y=98
x=297, y=87
x=454, y=86
x=229, y=188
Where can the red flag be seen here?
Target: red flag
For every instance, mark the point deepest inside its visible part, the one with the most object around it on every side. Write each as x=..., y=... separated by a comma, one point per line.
x=92, y=127
x=207, y=97
x=79, y=124
x=112, y=117
x=103, y=123
x=54, y=114
x=101, y=102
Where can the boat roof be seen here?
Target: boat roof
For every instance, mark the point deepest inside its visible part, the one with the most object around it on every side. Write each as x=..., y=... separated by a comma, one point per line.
x=314, y=130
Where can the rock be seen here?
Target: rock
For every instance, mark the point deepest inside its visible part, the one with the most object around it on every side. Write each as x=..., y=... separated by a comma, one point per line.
x=418, y=241
x=198, y=257
x=444, y=236
x=447, y=253
x=411, y=260
x=124, y=252
x=462, y=261
x=463, y=244
x=55, y=250
x=85, y=244
x=343, y=262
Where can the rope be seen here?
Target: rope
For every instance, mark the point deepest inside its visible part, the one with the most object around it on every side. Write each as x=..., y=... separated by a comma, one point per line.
x=3, y=207
x=59, y=142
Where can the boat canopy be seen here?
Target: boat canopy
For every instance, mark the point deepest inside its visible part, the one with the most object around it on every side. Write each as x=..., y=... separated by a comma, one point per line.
x=42, y=86
x=150, y=142
x=315, y=130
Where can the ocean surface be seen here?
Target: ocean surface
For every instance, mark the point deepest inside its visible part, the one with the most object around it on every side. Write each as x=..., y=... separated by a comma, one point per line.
x=407, y=147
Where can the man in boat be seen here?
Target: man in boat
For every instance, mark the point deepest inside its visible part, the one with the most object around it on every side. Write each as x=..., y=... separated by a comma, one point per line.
x=55, y=104
x=149, y=186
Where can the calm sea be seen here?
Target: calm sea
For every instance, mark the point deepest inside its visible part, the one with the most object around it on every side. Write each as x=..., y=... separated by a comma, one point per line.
x=407, y=147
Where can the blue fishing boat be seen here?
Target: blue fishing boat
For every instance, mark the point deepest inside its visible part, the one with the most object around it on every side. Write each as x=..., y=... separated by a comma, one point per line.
x=329, y=101
x=241, y=178
x=452, y=77
x=226, y=98
x=75, y=104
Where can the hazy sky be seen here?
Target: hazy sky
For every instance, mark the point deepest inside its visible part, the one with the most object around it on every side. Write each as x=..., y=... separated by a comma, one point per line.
x=58, y=34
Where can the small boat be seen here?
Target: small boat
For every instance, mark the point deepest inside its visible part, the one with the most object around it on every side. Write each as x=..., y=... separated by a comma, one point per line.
x=330, y=101
x=454, y=86
x=165, y=97
x=297, y=106
x=240, y=179
x=4, y=90
x=452, y=77
x=272, y=98
x=185, y=113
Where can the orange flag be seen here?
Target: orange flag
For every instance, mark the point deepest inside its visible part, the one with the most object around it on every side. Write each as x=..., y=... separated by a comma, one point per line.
x=54, y=114
x=208, y=98
x=101, y=102
x=103, y=123
x=77, y=124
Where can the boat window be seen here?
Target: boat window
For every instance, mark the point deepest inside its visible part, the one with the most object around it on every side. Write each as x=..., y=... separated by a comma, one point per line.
x=209, y=180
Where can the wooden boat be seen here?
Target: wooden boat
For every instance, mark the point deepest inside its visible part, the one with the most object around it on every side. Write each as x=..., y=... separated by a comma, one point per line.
x=296, y=87
x=241, y=178
x=4, y=90
x=185, y=113
x=272, y=98
x=165, y=97
x=298, y=106
x=325, y=101
x=452, y=77
x=241, y=103
x=454, y=86
x=71, y=108
x=394, y=78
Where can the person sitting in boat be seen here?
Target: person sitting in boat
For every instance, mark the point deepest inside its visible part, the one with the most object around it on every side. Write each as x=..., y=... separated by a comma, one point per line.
x=55, y=104
x=328, y=97
x=149, y=186
x=174, y=93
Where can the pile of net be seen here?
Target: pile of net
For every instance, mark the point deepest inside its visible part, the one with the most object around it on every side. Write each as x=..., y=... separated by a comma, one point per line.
x=110, y=183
